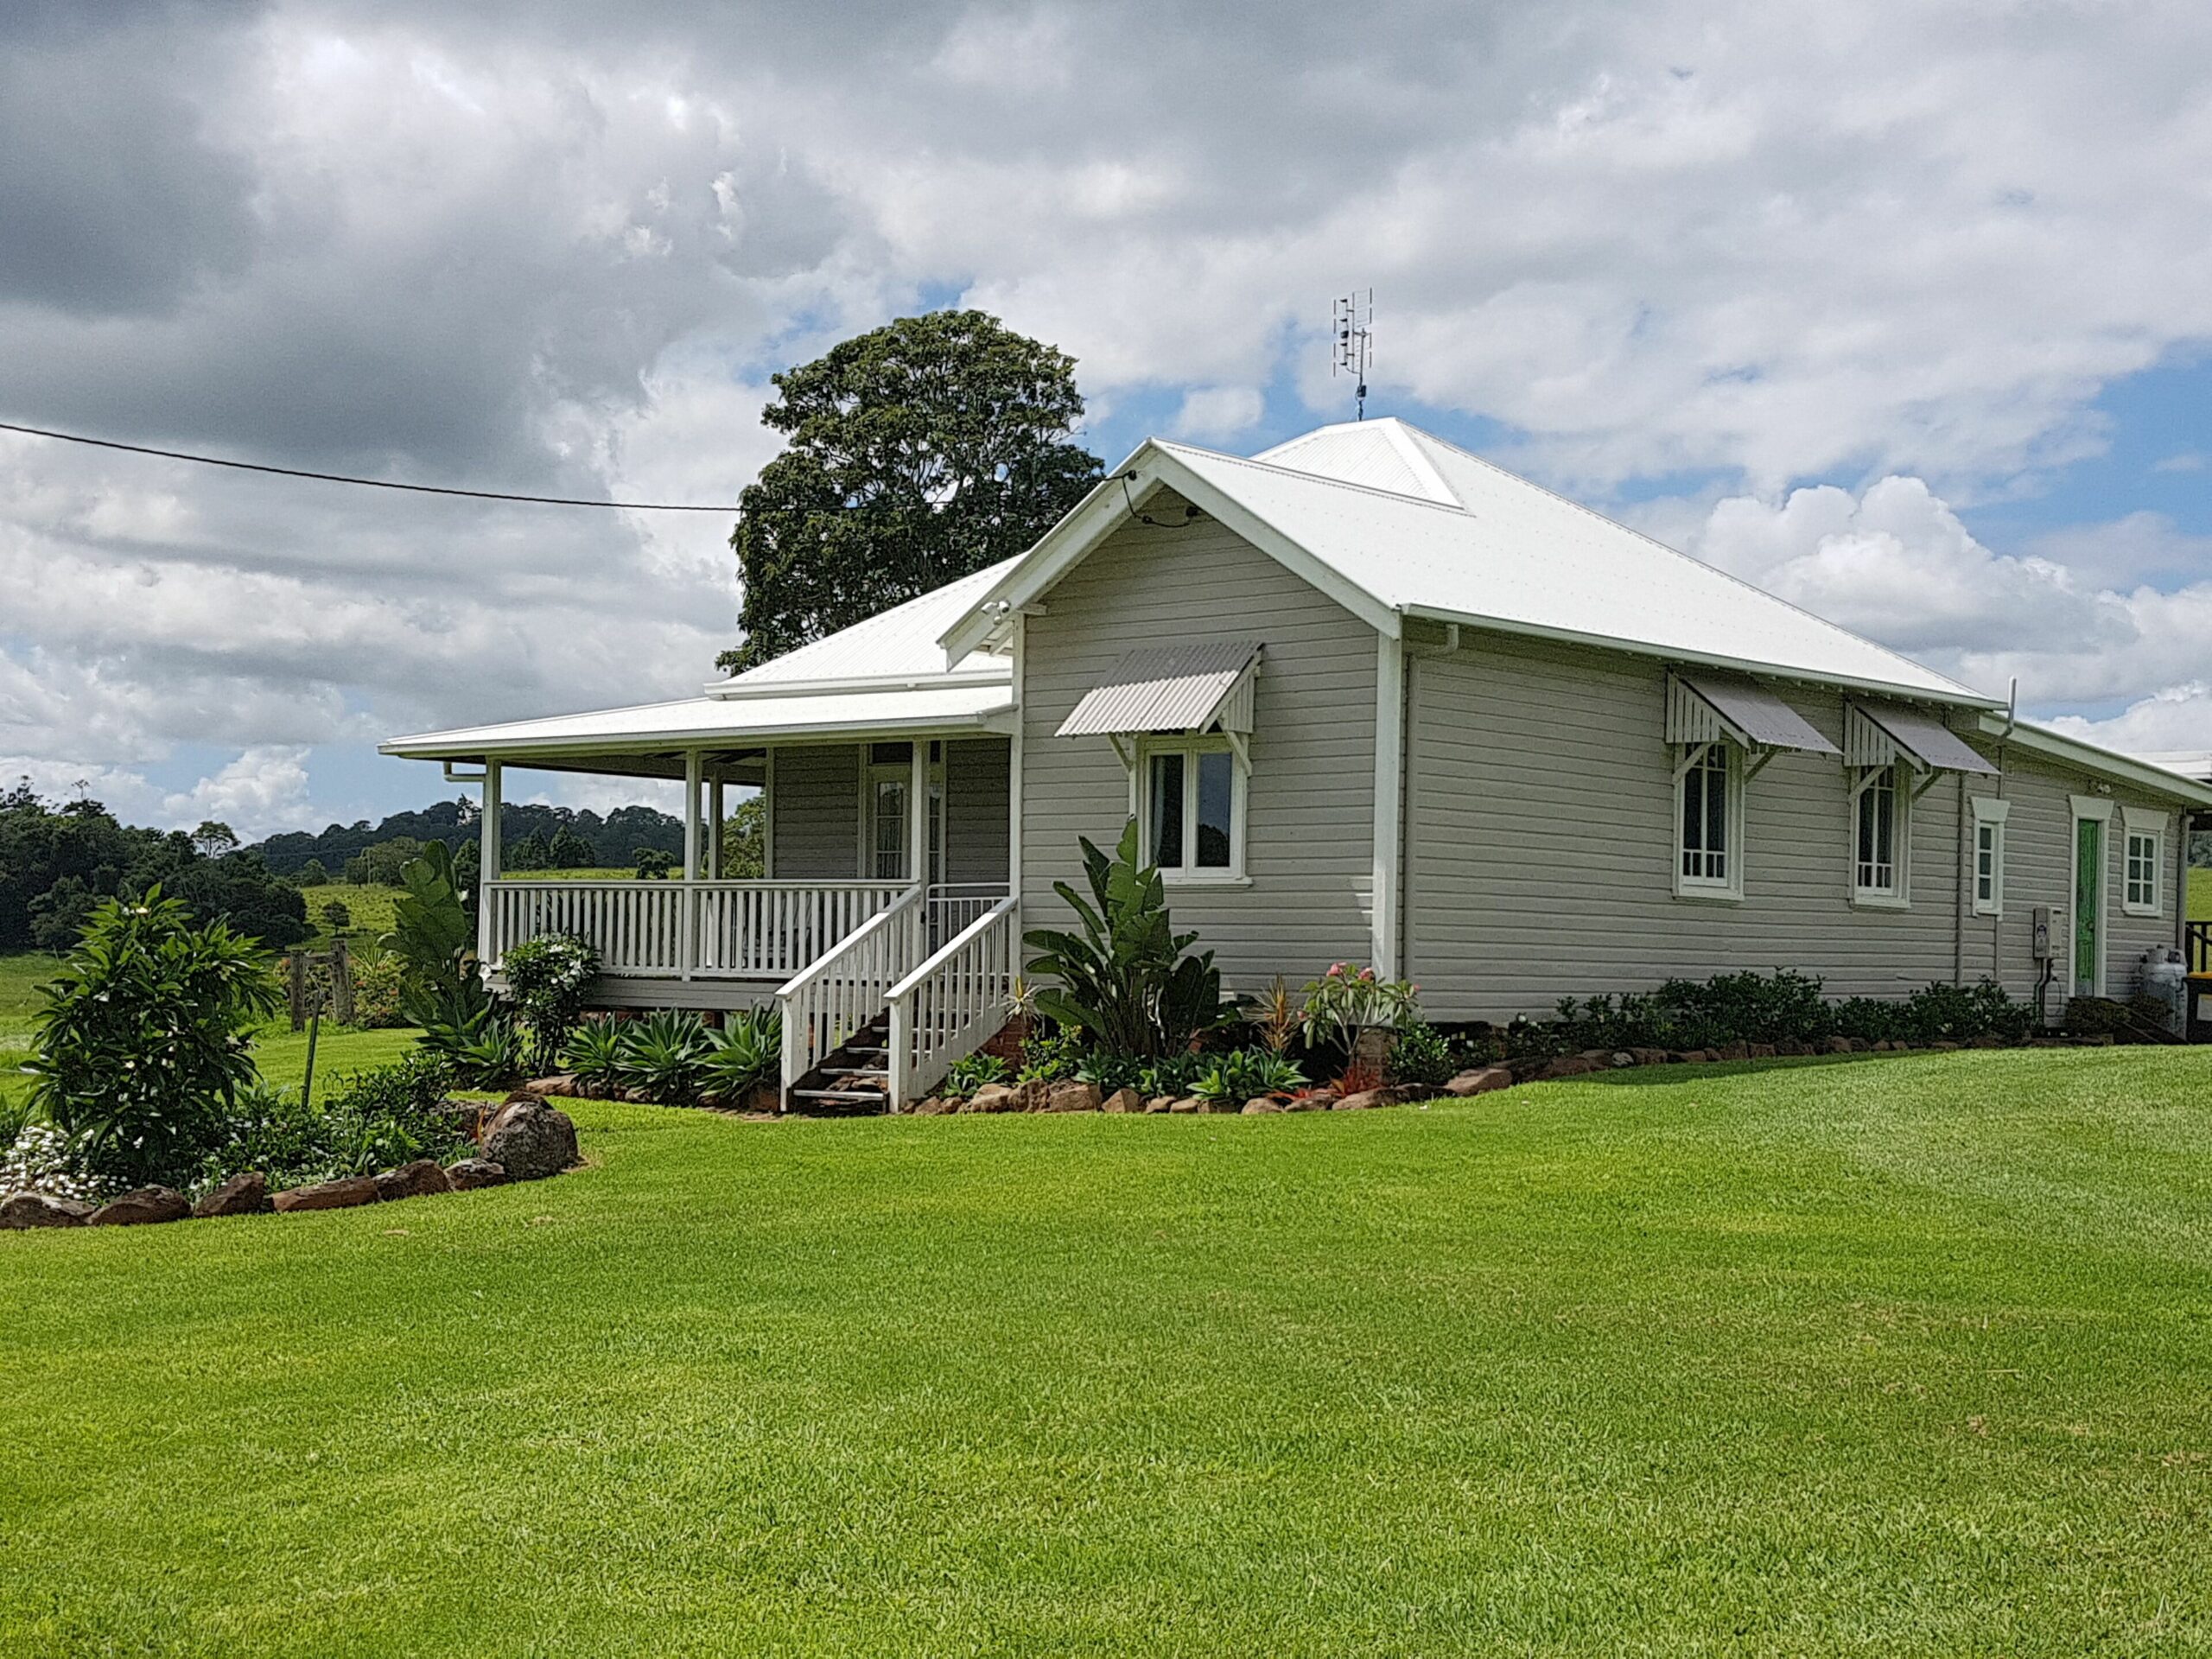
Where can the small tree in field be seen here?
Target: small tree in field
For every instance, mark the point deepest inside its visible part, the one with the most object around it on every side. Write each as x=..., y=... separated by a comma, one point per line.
x=141, y=1050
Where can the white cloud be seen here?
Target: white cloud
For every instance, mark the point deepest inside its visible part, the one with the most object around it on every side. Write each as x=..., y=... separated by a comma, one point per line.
x=1210, y=414
x=264, y=790
x=2176, y=717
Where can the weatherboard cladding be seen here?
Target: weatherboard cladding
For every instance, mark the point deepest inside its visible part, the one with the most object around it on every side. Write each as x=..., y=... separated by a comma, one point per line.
x=1309, y=851
x=815, y=801
x=1178, y=688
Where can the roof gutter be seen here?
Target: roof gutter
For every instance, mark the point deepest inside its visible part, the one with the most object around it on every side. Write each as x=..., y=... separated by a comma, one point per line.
x=1961, y=698
x=2091, y=757
x=440, y=746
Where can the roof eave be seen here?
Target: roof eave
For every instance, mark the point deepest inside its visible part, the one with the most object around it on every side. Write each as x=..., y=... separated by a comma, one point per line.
x=462, y=745
x=1961, y=698
x=2092, y=757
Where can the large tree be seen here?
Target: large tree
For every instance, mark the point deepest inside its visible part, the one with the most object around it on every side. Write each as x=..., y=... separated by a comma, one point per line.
x=919, y=452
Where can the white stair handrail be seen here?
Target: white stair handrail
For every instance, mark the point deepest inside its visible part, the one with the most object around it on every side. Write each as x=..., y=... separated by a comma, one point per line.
x=845, y=989
x=954, y=1003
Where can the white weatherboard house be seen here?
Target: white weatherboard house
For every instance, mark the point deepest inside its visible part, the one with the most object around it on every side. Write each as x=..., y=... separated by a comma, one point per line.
x=1371, y=698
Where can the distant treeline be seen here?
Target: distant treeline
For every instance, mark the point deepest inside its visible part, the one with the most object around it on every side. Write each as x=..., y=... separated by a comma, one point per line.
x=612, y=842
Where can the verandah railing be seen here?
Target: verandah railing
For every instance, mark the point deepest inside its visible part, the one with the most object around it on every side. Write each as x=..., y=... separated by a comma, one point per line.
x=755, y=930
x=953, y=1003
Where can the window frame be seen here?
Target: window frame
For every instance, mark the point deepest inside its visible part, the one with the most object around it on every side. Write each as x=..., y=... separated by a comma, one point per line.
x=1989, y=813
x=2146, y=824
x=1727, y=888
x=874, y=772
x=1190, y=746
x=1898, y=895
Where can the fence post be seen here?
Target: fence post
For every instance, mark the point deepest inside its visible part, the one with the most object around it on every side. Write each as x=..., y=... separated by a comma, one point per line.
x=295, y=984
x=341, y=982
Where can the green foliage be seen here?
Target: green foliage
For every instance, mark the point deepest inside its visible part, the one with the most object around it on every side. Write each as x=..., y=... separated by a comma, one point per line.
x=967, y=1076
x=663, y=1056
x=745, y=1053
x=141, y=1049
x=652, y=864
x=745, y=841
x=38, y=1157
x=919, y=453
x=1420, y=1055
x=381, y=866
x=1246, y=1074
x=569, y=851
x=1172, y=1074
x=377, y=987
x=548, y=977
x=1110, y=1072
x=491, y=1053
x=1052, y=1054
x=335, y=916
x=1125, y=979
x=372, y=1120
x=532, y=852
x=593, y=1051
x=1347, y=1000
x=311, y=875
x=436, y=941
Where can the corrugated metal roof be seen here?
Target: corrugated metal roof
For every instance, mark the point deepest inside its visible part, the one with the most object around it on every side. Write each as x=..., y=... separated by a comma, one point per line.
x=1925, y=739
x=1168, y=689
x=1500, y=549
x=2194, y=763
x=901, y=643
x=720, y=721
x=1756, y=716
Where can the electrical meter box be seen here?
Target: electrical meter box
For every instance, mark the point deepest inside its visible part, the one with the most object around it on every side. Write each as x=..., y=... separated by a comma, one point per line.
x=2040, y=936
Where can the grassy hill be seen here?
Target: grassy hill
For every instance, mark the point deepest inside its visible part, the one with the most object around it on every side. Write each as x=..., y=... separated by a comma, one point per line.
x=1899, y=1356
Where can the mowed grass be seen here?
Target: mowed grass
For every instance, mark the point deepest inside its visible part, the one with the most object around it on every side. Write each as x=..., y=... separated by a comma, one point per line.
x=1896, y=1356
x=2200, y=895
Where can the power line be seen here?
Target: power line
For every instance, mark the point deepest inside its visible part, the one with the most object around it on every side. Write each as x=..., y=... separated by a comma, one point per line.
x=369, y=483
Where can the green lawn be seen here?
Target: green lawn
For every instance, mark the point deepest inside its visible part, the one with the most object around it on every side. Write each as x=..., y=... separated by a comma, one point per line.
x=1908, y=1354
x=2200, y=895
x=368, y=908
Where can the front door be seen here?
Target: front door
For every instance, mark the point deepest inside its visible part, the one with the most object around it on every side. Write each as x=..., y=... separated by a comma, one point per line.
x=2088, y=905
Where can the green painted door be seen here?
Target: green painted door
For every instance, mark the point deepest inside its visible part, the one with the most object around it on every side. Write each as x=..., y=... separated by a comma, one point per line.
x=2088, y=895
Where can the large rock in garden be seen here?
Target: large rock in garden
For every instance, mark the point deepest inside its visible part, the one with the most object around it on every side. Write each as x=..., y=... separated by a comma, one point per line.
x=1160, y=1103
x=1187, y=1103
x=1481, y=1081
x=141, y=1206
x=244, y=1194
x=562, y=1087
x=1568, y=1065
x=1072, y=1098
x=23, y=1209
x=1123, y=1100
x=469, y=1174
x=416, y=1180
x=341, y=1194
x=530, y=1140
x=1320, y=1101
x=1259, y=1104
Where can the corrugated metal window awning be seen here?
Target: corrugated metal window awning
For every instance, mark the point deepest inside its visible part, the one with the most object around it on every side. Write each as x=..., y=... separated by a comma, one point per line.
x=1185, y=688
x=1883, y=734
x=1706, y=708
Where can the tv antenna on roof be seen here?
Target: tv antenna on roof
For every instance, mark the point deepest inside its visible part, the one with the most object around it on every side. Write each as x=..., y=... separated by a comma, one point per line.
x=1356, y=345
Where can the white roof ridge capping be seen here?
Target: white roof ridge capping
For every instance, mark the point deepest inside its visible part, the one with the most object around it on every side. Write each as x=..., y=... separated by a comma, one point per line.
x=1502, y=554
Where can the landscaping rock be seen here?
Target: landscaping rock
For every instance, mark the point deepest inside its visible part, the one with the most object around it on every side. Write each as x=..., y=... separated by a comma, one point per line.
x=1123, y=1100
x=530, y=1140
x=982, y=1100
x=22, y=1211
x=466, y=1116
x=1987, y=1039
x=1568, y=1065
x=1072, y=1098
x=936, y=1106
x=244, y=1194
x=416, y=1180
x=341, y=1194
x=1650, y=1055
x=1259, y=1103
x=1736, y=1051
x=467, y=1174
x=565, y=1087
x=140, y=1207
x=1187, y=1103
x=1160, y=1103
x=1763, y=1051
x=1621, y=1058
x=1367, y=1100
x=1481, y=1081
x=1320, y=1101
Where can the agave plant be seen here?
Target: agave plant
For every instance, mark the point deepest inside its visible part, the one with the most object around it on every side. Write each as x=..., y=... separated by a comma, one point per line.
x=593, y=1051
x=745, y=1053
x=494, y=1055
x=663, y=1055
x=1246, y=1075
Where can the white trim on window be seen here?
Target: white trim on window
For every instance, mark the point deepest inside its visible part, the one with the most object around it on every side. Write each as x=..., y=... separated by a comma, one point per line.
x=1987, y=871
x=1183, y=840
x=1880, y=831
x=877, y=862
x=2142, y=861
x=1708, y=846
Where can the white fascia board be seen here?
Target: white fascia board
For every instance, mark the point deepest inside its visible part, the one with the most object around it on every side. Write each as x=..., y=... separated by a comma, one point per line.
x=1700, y=659
x=1105, y=509
x=438, y=746
x=2105, y=763
x=724, y=692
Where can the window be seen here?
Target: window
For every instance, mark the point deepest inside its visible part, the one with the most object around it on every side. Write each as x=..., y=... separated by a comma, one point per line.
x=1709, y=797
x=2146, y=855
x=1877, y=838
x=1193, y=809
x=1989, y=814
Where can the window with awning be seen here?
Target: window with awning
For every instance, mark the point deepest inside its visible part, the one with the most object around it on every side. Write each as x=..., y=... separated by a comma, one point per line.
x=1880, y=735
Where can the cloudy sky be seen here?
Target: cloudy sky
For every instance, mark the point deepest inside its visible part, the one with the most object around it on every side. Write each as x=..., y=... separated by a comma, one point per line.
x=1901, y=309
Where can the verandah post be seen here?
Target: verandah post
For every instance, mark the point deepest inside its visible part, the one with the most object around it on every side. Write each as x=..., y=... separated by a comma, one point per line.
x=694, y=768
x=487, y=861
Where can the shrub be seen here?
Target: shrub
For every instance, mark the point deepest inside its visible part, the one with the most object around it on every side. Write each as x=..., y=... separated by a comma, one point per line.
x=1245, y=1074
x=1422, y=1055
x=1051, y=1056
x=374, y=1119
x=376, y=994
x=493, y=1055
x=663, y=1056
x=547, y=979
x=593, y=1051
x=39, y=1159
x=967, y=1076
x=1172, y=1074
x=1125, y=979
x=1347, y=1002
x=141, y=1048
x=744, y=1054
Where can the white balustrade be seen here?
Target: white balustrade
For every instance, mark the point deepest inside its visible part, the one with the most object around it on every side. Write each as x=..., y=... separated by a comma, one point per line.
x=953, y=1003
x=824, y=1005
x=734, y=930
